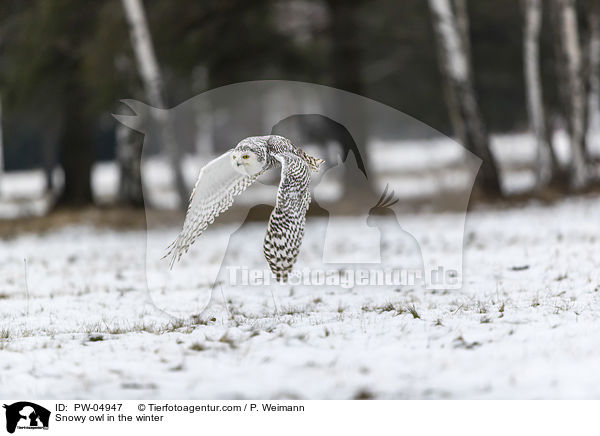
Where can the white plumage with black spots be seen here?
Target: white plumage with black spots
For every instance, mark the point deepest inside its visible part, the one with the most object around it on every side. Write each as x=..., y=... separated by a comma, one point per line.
x=231, y=173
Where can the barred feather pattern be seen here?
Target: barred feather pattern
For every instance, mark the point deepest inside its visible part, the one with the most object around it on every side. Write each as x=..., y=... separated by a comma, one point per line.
x=286, y=224
x=218, y=184
x=279, y=144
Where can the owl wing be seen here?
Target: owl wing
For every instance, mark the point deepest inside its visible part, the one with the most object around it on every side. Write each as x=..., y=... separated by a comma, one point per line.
x=215, y=189
x=286, y=224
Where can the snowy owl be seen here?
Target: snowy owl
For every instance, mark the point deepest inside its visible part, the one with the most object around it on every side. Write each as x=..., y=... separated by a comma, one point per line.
x=231, y=173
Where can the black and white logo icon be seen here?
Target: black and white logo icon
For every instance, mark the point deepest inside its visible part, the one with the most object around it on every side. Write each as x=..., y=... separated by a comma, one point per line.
x=26, y=415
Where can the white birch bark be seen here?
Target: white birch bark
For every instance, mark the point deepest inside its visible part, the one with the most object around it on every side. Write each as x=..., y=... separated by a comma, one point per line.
x=533, y=87
x=144, y=51
x=455, y=66
x=149, y=71
x=462, y=22
x=446, y=26
x=569, y=38
x=594, y=77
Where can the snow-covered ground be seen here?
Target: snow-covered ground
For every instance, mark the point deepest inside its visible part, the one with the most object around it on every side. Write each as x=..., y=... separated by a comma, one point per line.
x=82, y=314
x=76, y=320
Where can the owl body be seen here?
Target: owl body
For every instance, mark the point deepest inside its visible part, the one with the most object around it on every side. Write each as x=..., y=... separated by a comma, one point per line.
x=217, y=186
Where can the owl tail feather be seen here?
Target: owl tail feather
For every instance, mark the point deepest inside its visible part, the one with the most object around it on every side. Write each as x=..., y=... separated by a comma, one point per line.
x=314, y=162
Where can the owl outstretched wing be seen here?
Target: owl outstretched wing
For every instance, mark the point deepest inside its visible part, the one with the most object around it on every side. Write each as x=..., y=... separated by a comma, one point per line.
x=215, y=189
x=286, y=224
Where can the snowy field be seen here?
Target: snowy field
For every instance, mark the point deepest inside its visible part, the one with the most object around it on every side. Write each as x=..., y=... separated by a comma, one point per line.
x=77, y=322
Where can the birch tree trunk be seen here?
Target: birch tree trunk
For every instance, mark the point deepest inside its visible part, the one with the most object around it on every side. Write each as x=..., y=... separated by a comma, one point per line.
x=51, y=147
x=346, y=74
x=593, y=77
x=204, y=124
x=1, y=148
x=150, y=73
x=573, y=92
x=533, y=86
x=129, y=152
x=462, y=22
x=462, y=104
x=76, y=150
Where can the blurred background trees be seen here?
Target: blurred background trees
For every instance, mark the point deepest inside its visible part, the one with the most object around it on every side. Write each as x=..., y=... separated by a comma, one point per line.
x=65, y=64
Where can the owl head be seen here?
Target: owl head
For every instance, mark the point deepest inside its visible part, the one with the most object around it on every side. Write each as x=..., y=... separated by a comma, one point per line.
x=249, y=156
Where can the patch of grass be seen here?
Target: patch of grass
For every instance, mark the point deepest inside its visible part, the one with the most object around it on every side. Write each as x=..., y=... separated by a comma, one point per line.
x=197, y=346
x=95, y=338
x=413, y=311
x=4, y=296
x=175, y=325
x=139, y=386
x=563, y=306
x=4, y=333
x=460, y=342
x=198, y=320
x=386, y=307
x=364, y=394
x=293, y=310
x=138, y=327
x=228, y=340
x=28, y=333
x=302, y=337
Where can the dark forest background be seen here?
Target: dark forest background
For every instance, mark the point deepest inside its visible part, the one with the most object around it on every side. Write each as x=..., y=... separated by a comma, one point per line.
x=78, y=52
x=65, y=64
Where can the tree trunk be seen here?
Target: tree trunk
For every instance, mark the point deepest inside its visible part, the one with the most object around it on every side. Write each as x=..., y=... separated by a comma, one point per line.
x=345, y=53
x=462, y=104
x=77, y=151
x=129, y=151
x=203, y=137
x=1, y=149
x=593, y=79
x=533, y=86
x=55, y=122
x=462, y=23
x=150, y=73
x=573, y=90
x=346, y=71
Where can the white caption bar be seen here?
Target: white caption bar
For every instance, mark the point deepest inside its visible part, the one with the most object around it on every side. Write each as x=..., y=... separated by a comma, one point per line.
x=157, y=417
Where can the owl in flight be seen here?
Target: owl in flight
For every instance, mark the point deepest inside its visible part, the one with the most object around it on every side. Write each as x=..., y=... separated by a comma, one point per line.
x=231, y=173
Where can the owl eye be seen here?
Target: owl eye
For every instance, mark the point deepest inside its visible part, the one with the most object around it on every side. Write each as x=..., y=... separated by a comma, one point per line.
x=233, y=157
x=245, y=156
